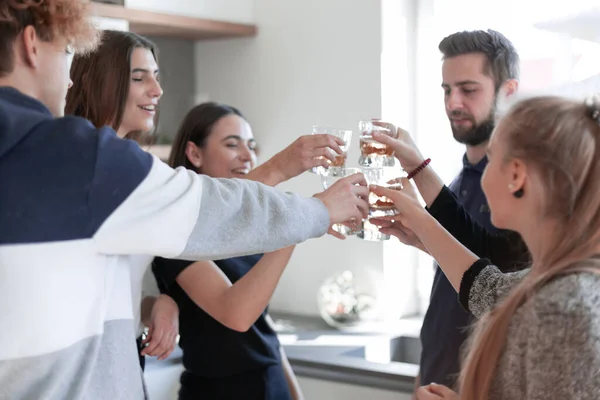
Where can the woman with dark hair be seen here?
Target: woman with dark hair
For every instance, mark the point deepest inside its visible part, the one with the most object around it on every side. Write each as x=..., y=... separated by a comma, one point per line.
x=118, y=85
x=243, y=360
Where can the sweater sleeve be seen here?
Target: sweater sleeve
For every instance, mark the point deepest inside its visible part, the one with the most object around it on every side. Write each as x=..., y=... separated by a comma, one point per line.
x=484, y=284
x=505, y=249
x=143, y=206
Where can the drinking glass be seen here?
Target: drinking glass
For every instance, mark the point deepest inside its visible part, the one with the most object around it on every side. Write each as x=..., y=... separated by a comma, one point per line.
x=328, y=178
x=373, y=153
x=340, y=159
x=378, y=205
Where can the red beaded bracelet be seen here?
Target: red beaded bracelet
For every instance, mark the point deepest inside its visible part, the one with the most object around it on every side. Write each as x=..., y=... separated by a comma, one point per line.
x=418, y=169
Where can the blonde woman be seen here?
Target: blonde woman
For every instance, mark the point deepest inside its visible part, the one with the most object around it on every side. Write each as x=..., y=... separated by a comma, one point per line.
x=538, y=336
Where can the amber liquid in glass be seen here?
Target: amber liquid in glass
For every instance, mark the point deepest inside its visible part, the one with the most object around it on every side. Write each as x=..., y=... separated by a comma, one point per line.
x=339, y=161
x=370, y=147
x=381, y=202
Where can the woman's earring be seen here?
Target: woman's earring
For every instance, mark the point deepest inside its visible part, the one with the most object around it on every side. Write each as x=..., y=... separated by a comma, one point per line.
x=518, y=194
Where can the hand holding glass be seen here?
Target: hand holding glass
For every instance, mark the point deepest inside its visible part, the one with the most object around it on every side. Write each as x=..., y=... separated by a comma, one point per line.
x=340, y=159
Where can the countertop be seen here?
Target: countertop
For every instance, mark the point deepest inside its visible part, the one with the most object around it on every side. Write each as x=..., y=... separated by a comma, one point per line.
x=378, y=355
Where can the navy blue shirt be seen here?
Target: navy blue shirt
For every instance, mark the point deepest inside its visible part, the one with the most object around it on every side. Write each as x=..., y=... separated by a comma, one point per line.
x=446, y=324
x=210, y=349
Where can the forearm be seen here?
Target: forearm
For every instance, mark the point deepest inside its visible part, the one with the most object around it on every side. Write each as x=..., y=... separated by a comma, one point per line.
x=429, y=185
x=266, y=219
x=147, y=304
x=453, y=257
x=505, y=249
x=290, y=377
x=483, y=285
x=246, y=300
x=180, y=214
x=267, y=173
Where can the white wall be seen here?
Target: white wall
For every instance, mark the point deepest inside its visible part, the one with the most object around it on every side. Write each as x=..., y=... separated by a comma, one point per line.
x=241, y=11
x=313, y=62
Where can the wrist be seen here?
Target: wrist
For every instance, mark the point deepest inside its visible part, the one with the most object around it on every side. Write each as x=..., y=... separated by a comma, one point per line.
x=165, y=301
x=419, y=221
x=416, y=170
x=276, y=171
x=430, y=185
x=270, y=173
x=409, y=164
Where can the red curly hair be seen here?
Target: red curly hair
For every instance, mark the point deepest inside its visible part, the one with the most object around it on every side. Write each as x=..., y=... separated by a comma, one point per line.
x=53, y=20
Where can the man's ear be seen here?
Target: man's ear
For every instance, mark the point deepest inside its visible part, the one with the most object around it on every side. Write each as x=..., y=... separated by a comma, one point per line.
x=28, y=43
x=510, y=87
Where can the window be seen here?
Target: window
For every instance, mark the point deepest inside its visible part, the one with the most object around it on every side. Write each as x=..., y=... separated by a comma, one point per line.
x=548, y=60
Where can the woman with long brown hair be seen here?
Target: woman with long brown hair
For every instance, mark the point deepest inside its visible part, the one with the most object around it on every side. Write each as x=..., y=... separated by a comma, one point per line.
x=243, y=360
x=117, y=85
x=538, y=334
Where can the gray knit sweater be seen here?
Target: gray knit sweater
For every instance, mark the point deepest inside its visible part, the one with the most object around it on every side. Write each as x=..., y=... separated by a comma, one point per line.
x=552, y=349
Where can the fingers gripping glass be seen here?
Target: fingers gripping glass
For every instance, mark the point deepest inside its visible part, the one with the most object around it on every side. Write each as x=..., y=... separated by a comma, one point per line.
x=328, y=178
x=373, y=153
x=340, y=159
x=378, y=205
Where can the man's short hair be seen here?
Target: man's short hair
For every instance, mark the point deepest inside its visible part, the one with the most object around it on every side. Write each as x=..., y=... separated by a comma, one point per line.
x=502, y=58
x=64, y=20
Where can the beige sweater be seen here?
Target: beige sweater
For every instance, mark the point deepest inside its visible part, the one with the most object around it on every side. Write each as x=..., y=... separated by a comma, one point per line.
x=552, y=348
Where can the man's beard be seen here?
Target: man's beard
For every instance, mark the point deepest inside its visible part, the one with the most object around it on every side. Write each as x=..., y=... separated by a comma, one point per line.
x=478, y=133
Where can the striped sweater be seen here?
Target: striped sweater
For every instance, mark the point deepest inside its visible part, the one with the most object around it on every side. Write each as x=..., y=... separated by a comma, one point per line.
x=75, y=201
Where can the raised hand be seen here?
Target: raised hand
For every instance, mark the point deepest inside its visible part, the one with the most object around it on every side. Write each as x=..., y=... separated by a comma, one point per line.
x=346, y=199
x=305, y=153
x=389, y=225
x=405, y=149
x=406, y=202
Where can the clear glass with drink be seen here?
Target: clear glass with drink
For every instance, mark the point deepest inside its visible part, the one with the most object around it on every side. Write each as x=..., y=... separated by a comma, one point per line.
x=373, y=153
x=370, y=232
x=340, y=159
x=378, y=205
x=328, y=178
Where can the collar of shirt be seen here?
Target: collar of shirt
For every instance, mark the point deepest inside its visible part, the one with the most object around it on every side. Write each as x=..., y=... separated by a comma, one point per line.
x=479, y=167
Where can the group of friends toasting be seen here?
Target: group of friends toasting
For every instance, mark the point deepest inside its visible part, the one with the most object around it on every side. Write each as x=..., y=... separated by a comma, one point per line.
x=86, y=213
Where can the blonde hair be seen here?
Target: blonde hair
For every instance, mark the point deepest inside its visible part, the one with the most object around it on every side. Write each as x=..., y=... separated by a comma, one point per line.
x=559, y=139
